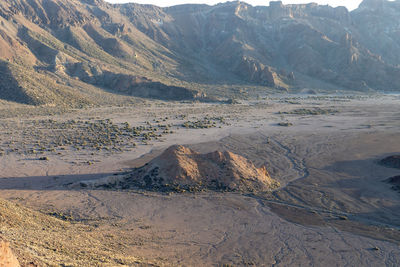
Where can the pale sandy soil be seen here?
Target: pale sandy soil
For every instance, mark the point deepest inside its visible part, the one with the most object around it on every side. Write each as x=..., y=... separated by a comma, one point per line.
x=333, y=208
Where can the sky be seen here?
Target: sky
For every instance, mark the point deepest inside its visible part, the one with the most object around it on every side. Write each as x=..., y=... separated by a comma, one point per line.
x=350, y=4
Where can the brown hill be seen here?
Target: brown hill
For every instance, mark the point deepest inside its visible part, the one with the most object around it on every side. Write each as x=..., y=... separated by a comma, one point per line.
x=7, y=258
x=77, y=52
x=182, y=169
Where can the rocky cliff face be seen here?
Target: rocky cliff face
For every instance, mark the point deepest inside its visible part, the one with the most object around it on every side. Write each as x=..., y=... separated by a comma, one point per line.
x=321, y=42
x=43, y=43
x=378, y=28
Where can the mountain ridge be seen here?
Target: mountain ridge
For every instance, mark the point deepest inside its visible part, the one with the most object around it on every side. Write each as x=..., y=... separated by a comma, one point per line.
x=48, y=48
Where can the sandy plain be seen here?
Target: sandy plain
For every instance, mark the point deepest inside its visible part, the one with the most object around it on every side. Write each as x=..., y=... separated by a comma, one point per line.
x=333, y=208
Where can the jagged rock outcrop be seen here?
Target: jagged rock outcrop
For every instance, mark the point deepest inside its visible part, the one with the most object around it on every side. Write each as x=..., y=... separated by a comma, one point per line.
x=180, y=169
x=7, y=258
x=256, y=72
x=277, y=10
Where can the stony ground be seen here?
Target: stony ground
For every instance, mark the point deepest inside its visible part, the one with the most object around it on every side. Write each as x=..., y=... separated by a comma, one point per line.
x=332, y=209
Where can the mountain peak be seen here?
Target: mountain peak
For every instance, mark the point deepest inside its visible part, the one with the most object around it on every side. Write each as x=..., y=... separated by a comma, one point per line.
x=275, y=4
x=372, y=4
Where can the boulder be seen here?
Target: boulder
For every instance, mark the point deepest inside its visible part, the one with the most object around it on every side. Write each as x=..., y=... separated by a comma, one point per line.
x=7, y=258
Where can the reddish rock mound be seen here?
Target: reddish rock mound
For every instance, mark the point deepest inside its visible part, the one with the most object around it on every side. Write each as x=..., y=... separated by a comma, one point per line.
x=391, y=161
x=182, y=169
x=7, y=258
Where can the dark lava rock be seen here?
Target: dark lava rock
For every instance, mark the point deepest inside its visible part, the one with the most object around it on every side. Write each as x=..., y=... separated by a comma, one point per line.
x=391, y=161
x=394, y=181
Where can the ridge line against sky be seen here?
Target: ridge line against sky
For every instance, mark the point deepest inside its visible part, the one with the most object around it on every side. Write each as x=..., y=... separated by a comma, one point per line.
x=352, y=4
